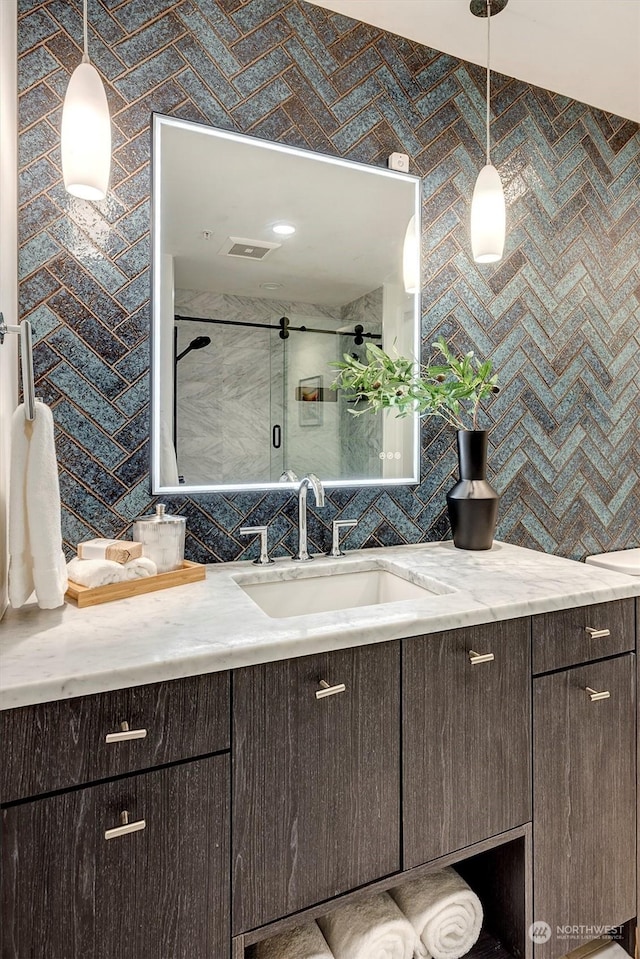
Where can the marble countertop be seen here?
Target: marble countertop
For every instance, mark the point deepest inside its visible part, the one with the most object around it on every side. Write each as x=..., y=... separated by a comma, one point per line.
x=213, y=625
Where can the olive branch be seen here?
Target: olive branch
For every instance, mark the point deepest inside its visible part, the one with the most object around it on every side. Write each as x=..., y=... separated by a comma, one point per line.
x=451, y=389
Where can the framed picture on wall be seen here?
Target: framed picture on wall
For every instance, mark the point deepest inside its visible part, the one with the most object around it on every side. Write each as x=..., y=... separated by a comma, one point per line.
x=309, y=395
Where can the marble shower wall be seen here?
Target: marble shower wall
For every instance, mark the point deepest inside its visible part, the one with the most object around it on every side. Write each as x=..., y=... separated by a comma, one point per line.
x=559, y=316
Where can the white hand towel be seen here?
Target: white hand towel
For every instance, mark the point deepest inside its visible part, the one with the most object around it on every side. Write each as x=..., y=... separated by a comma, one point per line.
x=101, y=572
x=36, y=560
x=372, y=928
x=305, y=942
x=444, y=911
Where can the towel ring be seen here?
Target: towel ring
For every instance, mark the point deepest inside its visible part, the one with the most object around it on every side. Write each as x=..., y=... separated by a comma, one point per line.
x=26, y=356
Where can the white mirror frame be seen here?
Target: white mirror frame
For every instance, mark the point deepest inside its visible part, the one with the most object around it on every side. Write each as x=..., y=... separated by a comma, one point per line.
x=158, y=122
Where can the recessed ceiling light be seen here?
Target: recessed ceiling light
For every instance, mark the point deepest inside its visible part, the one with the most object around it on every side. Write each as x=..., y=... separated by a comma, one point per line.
x=284, y=229
x=271, y=286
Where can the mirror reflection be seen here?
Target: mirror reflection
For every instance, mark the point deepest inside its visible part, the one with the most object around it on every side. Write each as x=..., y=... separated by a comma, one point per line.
x=270, y=263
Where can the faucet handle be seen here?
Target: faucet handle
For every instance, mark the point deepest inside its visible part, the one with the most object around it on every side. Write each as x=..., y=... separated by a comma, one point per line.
x=339, y=524
x=263, y=559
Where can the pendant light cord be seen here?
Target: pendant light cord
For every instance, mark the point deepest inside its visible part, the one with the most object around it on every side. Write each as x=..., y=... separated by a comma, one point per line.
x=488, y=75
x=85, y=30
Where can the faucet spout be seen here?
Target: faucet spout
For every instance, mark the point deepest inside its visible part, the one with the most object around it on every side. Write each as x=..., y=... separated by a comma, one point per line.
x=309, y=481
x=317, y=487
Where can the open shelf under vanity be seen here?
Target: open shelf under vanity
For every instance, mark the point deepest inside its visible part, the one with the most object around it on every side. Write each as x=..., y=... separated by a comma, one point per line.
x=496, y=870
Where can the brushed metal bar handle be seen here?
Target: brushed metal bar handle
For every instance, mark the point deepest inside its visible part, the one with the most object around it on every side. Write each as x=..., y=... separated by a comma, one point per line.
x=328, y=690
x=125, y=734
x=125, y=826
x=595, y=696
x=476, y=658
x=597, y=633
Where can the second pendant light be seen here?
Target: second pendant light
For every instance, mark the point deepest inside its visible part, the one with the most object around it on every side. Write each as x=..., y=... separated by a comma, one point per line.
x=487, y=205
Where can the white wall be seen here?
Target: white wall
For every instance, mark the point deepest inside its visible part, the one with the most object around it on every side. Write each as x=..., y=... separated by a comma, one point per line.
x=8, y=260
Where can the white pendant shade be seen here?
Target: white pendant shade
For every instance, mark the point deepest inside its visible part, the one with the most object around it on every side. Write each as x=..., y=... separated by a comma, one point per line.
x=86, y=135
x=411, y=258
x=488, y=216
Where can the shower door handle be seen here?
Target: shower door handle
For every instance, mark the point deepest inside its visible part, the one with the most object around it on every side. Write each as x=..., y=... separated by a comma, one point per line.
x=277, y=436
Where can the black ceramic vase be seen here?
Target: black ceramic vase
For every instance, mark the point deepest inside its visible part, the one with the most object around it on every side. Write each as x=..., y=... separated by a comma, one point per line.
x=472, y=503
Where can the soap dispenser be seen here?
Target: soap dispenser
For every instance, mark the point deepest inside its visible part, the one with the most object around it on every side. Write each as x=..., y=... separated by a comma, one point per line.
x=162, y=538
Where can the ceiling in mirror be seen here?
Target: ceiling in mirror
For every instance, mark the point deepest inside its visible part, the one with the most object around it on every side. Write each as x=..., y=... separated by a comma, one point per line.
x=269, y=264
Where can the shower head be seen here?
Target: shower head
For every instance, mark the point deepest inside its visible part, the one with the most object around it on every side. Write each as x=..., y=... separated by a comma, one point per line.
x=198, y=343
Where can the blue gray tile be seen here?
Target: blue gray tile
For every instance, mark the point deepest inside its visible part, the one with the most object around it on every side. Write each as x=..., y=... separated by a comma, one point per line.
x=559, y=316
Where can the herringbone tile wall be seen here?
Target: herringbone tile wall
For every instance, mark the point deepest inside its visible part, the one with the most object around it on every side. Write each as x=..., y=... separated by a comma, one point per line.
x=560, y=316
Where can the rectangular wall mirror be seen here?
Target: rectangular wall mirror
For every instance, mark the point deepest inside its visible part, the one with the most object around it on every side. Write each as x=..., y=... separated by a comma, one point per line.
x=269, y=264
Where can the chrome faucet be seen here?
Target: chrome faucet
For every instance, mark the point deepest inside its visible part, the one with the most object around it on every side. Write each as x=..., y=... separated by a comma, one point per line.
x=308, y=481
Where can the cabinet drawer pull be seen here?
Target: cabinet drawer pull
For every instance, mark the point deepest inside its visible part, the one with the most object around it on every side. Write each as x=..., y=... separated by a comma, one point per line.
x=125, y=826
x=595, y=696
x=476, y=658
x=597, y=633
x=328, y=690
x=125, y=734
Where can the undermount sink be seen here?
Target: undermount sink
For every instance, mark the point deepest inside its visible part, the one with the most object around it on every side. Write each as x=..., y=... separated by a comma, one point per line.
x=303, y=591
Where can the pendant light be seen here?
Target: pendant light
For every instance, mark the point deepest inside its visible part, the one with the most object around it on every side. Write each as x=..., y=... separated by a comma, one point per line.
x=487, y=205
x=86, y=131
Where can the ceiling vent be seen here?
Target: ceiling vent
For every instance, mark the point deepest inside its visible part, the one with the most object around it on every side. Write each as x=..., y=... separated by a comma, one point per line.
x=247, y=249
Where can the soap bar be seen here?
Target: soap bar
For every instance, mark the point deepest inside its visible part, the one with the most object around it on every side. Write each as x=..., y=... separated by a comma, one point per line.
x=117, y=550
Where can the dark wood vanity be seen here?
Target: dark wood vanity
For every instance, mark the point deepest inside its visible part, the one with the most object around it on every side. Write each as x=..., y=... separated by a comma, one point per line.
x=250, y=804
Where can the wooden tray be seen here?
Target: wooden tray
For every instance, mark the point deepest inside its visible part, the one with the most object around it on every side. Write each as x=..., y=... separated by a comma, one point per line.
x=93, y=595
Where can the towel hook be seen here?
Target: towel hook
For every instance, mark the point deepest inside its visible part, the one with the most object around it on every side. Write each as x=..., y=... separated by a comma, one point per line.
x=26, y=356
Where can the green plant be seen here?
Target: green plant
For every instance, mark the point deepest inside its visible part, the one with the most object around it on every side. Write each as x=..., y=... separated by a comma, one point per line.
x=452, y=389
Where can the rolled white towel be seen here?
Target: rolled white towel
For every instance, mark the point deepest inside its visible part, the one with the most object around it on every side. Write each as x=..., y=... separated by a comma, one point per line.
x=372, y=928
x=305, y=942
x=444, y=911
x=101, y=572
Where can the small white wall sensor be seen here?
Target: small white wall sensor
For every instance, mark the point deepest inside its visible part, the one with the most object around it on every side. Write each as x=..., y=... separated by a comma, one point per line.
x=399, y=162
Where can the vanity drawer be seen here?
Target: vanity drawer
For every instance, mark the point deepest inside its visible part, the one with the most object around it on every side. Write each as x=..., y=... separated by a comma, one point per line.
x=73, y=741
x=84, y=885
x=569, y=637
